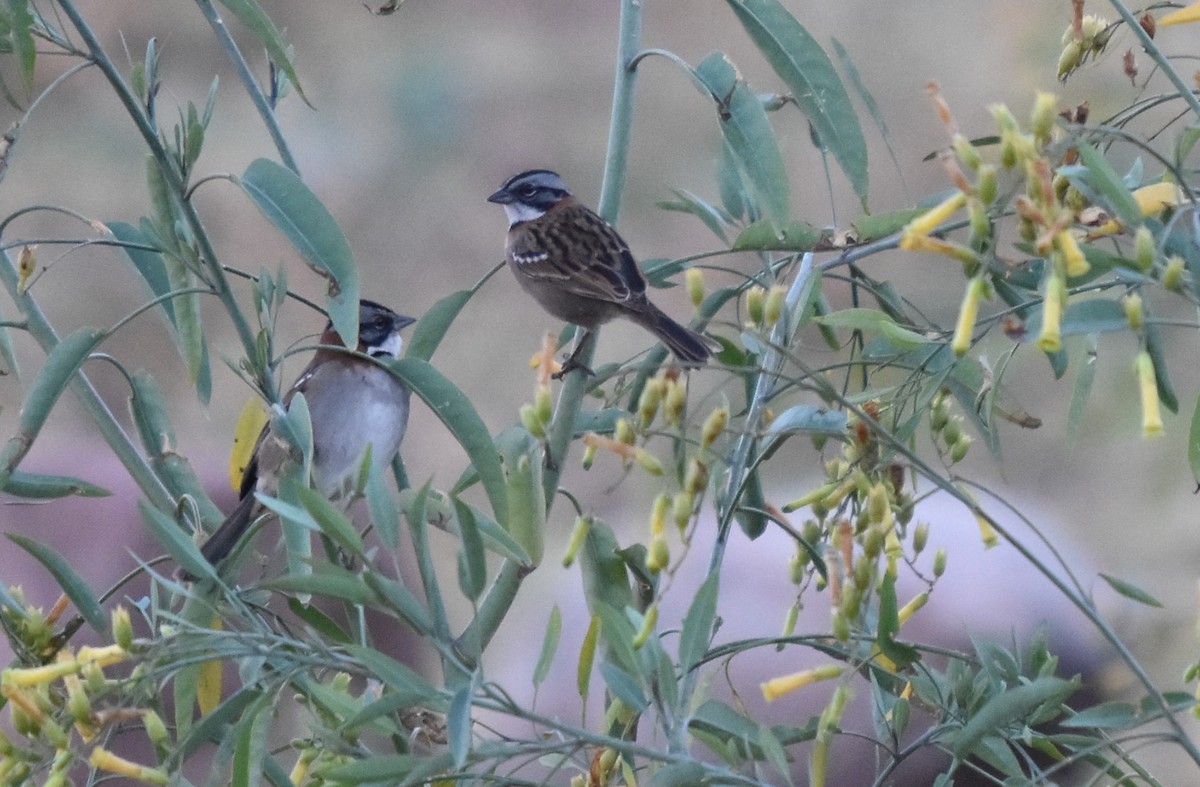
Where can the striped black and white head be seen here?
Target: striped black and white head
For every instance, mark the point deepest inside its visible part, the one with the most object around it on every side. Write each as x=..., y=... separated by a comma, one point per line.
x=529, y=195
x=379, y=330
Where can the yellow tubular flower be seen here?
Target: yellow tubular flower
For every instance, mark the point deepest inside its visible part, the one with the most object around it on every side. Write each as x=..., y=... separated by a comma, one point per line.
x=1077, y=264
x=1152, y=425
x=928, y=221
x=775, y=688
x=1050, y=338
x=967, y=316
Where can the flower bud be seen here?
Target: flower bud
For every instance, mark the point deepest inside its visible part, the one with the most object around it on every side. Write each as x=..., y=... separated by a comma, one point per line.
x=714, y=425
x=879, y=504
x=694, y=277
x=774, y=305
x=531, y=421
x=959, y=448
x=624, y=432
x=777, y=687
x=578, y=535
x=1045, y=108
x=589, y=455
x=674, y=401
x=1173, y=273
x=1134, y=313
x=789, y=620
x=681, y=509
x=122, y=628
x=648, y=624
x=658, y=515
x=648, y=461
x=967, y=153
x=1143, y=245
x=987, y=184
x=658, y=556
x=939, y=562
x=911, y=607
x=920, y=537
x=696, y=478
x=840, y=625
x=1070, y=59
x=156, y=730
x=756, y=298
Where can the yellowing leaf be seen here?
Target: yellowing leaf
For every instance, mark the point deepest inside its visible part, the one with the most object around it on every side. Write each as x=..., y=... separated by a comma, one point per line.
x=1182, y=16
x=208, y=684
x=249, y=425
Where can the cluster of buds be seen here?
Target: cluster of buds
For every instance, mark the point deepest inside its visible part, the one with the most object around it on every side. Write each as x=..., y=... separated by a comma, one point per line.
x=536, y=416
x=946, y=429
x=863, y=511
x=47, y=702
x=764, y=306
x=1085, y=38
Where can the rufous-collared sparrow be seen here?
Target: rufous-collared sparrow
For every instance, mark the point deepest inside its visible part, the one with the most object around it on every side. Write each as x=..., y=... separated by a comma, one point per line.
x=352, y=403
x=578, y=268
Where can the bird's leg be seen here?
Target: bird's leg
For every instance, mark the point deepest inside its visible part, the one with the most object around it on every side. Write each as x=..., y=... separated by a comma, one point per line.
x=572, y=362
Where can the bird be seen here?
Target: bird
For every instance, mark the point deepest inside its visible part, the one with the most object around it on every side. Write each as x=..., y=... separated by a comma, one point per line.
x=352, y=403
x=578, y=268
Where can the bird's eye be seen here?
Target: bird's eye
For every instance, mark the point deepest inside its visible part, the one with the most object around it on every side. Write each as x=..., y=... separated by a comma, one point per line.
x=529, y=191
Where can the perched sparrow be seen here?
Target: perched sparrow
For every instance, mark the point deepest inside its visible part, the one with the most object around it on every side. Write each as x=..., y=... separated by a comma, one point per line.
x=351, y=402
x=578, y=268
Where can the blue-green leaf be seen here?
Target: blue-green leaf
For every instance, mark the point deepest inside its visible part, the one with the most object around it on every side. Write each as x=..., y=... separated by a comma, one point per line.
x=749, y=135
x=68, y=580
x=45, y=487
x=252, y=16
x=698, y=624
x=289, y=204
x=803, y=65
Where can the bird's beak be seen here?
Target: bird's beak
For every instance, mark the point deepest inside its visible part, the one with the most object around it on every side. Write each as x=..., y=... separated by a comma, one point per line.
x=501, y=197
x=401, y=322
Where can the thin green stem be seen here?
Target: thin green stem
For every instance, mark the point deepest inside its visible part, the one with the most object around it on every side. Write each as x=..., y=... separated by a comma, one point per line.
x=576, y=384
x=249, y=83
x=174, y=180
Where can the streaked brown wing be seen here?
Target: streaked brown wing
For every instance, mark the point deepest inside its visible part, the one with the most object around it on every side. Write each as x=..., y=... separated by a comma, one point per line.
x=578, y=250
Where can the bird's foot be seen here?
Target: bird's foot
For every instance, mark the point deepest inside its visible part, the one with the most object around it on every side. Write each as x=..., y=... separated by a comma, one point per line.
x=570, y=364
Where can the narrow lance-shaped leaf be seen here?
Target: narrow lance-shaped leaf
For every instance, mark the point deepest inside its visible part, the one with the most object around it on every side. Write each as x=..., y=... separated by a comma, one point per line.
x=698, y=624
x=434, y=323
x=549, y=646
x=455, y=410
x=68, y=580
x=252, y=16
x=1007, y=707
x=803, y=65
x=749, y=135
x=36, y=486
x=60, y=366
x=472, y=567
x=289, y=204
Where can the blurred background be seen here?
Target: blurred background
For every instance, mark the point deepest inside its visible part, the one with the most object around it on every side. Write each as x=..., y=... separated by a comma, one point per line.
x=416, y=117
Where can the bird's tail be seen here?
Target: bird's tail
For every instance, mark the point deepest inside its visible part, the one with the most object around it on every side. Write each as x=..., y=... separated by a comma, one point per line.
x=688, y=346
x=225, y=538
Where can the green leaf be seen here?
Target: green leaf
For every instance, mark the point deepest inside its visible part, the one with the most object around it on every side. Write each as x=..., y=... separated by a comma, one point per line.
x=697, y=628
x=325, y=580
x=522, y=462
x=289, y=204
x=623, y=686
x=1007, y=707
x=1131, y=591
x=401, y=600
x=749, y=135
x=385, y=515
x=68, y=581
x=321, y=622
x=679, y=774
x=1105, y=716
x=458, y=726
x=880, y=225
x=61, y=364
x=472, y=566
x=889, y=624
x=1096, y=315
x=549, y=646
x=793, y=235
x=434, y=323
x=22, y=40
x=331, y=520
x=455, y=410
x=250, y=14
x=171, y=537
x=1082, y=389
x=1104, y=180
x=1154, y=346
x=587, y=657
x=45, y=487
x=874, y=322
x=711, y=216
x=808, y=418
x=605, y=583
x=398, y=677
x=251, y=747
x=869, y=102
x=801, y=63
x=1194, y=442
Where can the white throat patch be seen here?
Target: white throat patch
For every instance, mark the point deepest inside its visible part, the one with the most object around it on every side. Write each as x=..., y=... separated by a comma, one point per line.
x=390, y=348
x=519, y=212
